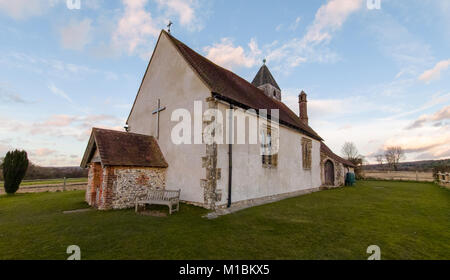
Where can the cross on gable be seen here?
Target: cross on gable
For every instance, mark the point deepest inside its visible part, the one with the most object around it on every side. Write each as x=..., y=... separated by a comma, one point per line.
x=156, y=112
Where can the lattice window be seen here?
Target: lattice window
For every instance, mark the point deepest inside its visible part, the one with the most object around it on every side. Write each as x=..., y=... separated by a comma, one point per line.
x=306, y=153
x=269, y=146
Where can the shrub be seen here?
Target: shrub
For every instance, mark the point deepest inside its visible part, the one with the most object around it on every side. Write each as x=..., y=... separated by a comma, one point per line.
x=14, y=167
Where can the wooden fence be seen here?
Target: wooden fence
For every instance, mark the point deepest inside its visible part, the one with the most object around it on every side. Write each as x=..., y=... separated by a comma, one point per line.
x=400, y=175
x=49, y=185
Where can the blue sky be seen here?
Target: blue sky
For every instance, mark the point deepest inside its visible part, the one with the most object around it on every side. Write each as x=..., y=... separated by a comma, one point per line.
x=377, y=77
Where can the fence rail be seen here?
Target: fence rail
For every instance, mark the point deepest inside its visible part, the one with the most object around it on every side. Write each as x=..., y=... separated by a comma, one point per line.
x=43, y=185
x=400, y=175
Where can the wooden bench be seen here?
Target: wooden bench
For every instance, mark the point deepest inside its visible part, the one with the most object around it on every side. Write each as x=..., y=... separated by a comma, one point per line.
x=161, y=197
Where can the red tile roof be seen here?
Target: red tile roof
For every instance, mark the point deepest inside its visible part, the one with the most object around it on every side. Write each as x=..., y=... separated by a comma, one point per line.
x=326, y=150
x=229, y=87
x=118, y=148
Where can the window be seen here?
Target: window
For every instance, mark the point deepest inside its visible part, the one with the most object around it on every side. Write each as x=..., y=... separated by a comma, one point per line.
x=306, y=153
x=269, y=146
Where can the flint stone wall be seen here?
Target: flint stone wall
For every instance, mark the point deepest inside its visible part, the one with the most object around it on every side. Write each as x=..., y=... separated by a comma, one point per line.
x=132, y=183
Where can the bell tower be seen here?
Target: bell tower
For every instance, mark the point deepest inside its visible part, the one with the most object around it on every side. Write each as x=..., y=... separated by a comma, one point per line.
x=265, y=81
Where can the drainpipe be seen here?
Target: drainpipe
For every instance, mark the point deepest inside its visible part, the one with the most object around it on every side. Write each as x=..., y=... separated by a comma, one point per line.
x=230, y=155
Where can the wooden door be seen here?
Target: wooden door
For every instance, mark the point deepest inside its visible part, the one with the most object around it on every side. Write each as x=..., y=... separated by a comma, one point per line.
x=329, y=173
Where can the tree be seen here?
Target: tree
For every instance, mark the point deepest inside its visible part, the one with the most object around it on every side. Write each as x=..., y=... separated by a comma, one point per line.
x=350, y=151
x=1, y=169
x=380, y=159
x=393, y=156
x=14, y=167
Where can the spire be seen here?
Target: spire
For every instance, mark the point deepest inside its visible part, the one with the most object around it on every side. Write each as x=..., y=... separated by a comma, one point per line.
x=264, y=77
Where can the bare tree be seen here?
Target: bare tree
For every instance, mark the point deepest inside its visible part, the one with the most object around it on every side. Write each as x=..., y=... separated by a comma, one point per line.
x=350, y=151
x=380, y=159
x=393, y=156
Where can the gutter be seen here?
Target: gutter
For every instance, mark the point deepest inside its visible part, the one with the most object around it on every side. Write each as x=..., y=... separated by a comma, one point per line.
x=230, y=156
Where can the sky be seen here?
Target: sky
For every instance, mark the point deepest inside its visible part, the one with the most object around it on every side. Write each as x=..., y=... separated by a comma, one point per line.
x=377, y=76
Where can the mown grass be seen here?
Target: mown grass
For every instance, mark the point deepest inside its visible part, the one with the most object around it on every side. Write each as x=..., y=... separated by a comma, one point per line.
x=407, y=220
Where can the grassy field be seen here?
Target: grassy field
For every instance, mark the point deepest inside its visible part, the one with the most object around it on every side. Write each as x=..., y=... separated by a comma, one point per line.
x=407, y=221
x=27, y=183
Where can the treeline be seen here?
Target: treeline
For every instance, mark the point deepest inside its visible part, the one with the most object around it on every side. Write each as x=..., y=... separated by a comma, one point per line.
x=40, y=172
x=425, y=166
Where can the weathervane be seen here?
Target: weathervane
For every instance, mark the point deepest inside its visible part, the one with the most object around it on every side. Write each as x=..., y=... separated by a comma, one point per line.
x=169, y=25
x=264, y=61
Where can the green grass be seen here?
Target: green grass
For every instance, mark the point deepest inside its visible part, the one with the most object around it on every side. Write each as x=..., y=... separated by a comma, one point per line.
x=27, y=183
x=407, y=220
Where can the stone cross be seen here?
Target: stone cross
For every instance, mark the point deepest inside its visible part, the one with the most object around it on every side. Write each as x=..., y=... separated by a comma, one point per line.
x=157, y=111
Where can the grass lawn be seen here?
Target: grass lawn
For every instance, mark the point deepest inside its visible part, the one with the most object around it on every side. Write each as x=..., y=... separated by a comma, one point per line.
x=407, y=220
x=26, y=183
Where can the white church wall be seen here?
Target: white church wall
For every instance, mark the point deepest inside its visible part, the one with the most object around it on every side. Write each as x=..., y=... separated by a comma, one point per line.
x=250, y=180
x=170, y=79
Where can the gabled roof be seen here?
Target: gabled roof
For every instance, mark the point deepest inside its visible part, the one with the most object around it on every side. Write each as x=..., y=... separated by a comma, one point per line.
x=227, y=86
x=326, y=150
x=118, y=148
x=264, y=77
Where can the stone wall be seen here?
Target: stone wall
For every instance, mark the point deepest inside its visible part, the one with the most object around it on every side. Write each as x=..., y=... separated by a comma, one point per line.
x=95, y=179
x=119, y=187
x=339, y=171
x=209, y=184
x=131, y=183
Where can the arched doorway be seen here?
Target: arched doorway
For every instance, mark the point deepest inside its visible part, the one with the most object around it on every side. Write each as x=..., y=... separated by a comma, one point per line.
x=329, y=173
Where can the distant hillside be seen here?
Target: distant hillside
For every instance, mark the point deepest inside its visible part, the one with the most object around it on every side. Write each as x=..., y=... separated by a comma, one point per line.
x=424, y=165
x=40, y=172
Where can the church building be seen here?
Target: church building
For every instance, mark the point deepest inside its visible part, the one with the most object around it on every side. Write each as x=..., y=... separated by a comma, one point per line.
x=123, y=166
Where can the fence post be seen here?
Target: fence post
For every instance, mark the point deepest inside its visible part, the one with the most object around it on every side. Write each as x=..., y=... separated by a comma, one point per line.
x=417, y=175
x=64, y=186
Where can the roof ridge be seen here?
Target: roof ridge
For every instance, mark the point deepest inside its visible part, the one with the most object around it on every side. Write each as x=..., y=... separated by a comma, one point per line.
x=231, y=86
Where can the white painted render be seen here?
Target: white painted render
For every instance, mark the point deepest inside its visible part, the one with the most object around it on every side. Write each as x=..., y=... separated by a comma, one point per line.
x=171, y=79
x=251, y=180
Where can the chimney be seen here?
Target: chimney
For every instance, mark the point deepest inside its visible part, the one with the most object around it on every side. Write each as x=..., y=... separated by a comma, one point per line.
x=303, y=107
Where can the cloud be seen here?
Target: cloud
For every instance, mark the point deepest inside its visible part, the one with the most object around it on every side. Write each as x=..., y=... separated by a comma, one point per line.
x=185, y=10
x=22, y=9
x=329, y=18
x=229, y=56
x=76, y=35
x=135, y=28
x=59, y=92
x=72, y=126
x=435, y=146
x=295, y=25
x=52, y=67
x=42, y=152
x=441, y=115
x=311, y=47
x=436, y=99
x=8, y=96
x=138, y=28
x=435, y=72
